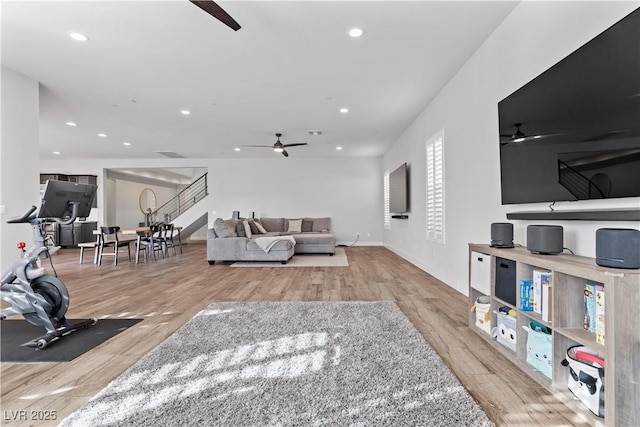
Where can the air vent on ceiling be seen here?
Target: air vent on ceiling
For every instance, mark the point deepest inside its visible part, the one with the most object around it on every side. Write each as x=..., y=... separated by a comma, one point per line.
x=170, y=154
x=315, y=132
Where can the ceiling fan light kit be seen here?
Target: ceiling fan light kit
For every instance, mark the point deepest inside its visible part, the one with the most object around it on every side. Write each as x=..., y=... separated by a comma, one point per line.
x=279, y=147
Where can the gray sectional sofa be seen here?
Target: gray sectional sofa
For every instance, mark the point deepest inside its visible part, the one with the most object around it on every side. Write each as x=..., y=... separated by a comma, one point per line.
x=241, y=240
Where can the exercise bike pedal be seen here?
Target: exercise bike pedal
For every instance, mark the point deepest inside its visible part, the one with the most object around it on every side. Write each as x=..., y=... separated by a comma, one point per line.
x=46, y=339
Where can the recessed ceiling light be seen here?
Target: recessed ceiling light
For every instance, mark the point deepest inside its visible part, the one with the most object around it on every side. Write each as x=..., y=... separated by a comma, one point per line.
x=78, y=36
x=338, y=148
x=56, y=152
x=344, y=110
x=128, y=144
x=236, y=149
x=185, y=112
x=102, y=135
x=356, y=32
x=71, y=124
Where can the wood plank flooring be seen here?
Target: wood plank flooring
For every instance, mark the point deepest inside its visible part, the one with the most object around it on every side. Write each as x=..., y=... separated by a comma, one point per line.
x=167, y=293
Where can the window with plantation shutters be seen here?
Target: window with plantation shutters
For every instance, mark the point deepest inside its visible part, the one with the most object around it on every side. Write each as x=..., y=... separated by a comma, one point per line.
x=434, y=154
x=387, y=214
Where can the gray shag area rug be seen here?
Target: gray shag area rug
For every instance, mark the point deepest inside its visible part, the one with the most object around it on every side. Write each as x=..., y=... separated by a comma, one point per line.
x=288, y=364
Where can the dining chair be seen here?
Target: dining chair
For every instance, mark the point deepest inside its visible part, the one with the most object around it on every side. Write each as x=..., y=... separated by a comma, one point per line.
x=109, y=239
x=95, y=245
x=167, y=238
x=151, y=243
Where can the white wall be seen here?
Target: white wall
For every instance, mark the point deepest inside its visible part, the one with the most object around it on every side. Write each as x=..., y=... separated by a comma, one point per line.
x=127, y=207
x=531, y=39
x=19, y=158
x=348, y=190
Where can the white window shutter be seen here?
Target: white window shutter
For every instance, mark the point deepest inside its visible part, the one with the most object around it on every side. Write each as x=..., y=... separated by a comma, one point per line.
x=434, y=156
x=387, y=215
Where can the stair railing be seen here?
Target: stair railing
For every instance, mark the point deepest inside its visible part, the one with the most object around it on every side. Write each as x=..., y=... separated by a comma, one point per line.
x=579, y=185
x=183, y=201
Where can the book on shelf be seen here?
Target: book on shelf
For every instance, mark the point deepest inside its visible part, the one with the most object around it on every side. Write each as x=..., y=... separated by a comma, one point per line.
x=546, y=301
x=600, y=314
x=525, y=295
x=589, y=322
x=539, y=277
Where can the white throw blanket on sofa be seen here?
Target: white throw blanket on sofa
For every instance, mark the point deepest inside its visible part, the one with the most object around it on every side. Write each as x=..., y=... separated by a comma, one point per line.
x=266, y=243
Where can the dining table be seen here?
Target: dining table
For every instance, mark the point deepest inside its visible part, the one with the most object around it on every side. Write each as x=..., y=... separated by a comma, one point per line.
x=143, y=230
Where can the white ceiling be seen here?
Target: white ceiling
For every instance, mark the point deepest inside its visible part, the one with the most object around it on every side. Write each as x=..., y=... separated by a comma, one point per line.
x=289, y=69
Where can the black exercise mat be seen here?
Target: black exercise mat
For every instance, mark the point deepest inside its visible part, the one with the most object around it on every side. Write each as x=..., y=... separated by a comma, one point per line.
x=14, y=333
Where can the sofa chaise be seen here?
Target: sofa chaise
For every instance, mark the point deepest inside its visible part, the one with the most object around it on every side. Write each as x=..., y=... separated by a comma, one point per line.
x=241, y=240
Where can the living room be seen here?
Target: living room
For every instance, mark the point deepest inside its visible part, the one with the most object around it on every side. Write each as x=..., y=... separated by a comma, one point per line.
x=531, y=39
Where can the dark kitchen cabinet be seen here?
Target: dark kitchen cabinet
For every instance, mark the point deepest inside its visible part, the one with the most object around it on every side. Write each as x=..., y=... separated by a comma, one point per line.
x=78, y=232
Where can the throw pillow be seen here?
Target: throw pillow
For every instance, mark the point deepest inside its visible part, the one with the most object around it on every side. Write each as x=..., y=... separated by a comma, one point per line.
x=321, y=225
x=307, y=225
x=240, y=229
x=273, y=224
x=252, y=225
x=222, y=229
x=295, y=226
x=261, y=229
x=232, y=223
x=247, y=228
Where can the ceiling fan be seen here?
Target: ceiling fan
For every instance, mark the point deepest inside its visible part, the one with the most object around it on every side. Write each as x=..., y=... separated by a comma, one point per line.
x=217, y=12
x=519, y=136
x=279, y=147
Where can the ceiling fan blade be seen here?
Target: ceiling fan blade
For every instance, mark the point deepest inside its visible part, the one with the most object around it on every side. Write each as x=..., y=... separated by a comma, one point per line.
x=295, y=144
x=217, y=12
x=284, y=153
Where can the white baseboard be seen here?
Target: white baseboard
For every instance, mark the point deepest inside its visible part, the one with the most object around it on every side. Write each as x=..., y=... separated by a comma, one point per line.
x=360, y=243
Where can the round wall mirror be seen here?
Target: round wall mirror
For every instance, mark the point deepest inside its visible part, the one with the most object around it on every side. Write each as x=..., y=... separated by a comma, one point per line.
x=147, y=200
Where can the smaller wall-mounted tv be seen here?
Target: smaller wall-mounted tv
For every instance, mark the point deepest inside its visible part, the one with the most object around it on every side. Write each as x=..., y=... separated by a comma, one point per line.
x=399, y=191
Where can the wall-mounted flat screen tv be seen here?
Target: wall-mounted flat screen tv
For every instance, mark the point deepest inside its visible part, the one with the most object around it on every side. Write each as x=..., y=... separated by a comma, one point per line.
x=399, y=190
x=573, y=132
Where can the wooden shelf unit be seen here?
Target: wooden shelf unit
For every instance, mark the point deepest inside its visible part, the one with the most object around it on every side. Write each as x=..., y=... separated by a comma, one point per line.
x=622, y=326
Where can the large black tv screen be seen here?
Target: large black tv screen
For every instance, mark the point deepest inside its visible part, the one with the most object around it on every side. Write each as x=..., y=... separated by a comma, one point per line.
x=399, y=190
x=573, y=133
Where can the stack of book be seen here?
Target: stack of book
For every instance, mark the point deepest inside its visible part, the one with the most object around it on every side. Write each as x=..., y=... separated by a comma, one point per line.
x=535, y=295
x=594, y=310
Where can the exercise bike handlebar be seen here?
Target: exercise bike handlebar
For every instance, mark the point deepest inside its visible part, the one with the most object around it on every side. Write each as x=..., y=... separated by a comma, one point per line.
x=26, y=217
x=29, y=216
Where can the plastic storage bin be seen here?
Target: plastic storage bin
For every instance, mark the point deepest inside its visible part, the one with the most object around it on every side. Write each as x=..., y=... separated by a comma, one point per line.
x=539, y=348
x=505, y=330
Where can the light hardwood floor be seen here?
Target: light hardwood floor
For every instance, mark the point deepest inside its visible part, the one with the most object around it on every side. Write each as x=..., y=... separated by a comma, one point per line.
x=169, y=292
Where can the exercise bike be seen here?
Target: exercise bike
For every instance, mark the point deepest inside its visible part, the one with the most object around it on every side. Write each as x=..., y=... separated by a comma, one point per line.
x=40, y=298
